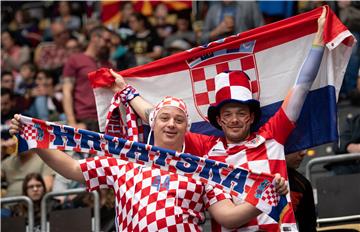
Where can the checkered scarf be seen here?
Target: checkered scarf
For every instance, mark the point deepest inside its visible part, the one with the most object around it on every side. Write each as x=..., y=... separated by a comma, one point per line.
x=253, y=187
x=115, y=126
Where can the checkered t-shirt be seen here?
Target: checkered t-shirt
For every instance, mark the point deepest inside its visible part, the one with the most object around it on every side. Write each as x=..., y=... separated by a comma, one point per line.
x=150, y=199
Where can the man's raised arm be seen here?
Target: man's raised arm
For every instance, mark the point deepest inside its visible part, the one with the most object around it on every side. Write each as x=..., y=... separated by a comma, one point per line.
x=295, y=99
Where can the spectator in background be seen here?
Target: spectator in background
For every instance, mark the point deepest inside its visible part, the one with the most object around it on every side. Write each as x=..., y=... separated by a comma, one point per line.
x=10, y=100
x=16, y=167
x=301, y=193
x=127, y=10
x=25, y=28
x=46, y=103
x=183, y=30
x=13, y=55
x=349, y=142
x=226, y=18
x=73, y=46
x=7, y=80
x=52, y=55
x=162, y=21
x=8, y=144
x=24, y=82
x=145, y=43
x=78, y=99
x=121, y=57
x=71, y=22
x=349, y=14
x=34, y=187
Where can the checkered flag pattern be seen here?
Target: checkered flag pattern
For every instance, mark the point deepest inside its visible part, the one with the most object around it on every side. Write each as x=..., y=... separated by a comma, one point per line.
x=29, y=132
x=150, y=199
x=204, y=80
x=133, y=130
x=114, y=123
x=270, y=196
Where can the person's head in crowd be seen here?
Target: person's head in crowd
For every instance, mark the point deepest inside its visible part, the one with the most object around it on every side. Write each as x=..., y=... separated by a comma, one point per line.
x=60, y=33
x=127, y=9
x=44, y=78
x=8, y=40
x=73, y=46
x=34, y=187
x=170, y=120
x=7, y=80
x=160, y=14
x=115, y=39
x=178, y=45
x=21, y=17
x=183, y=23
x=100, y=41
x=294, y=160
x=138, y=23
x=235, y=109
x=64, y=8
x=28, y=71
x=7, y=101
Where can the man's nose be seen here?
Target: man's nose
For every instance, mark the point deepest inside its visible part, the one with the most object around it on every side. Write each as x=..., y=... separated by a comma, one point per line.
x=171, y=122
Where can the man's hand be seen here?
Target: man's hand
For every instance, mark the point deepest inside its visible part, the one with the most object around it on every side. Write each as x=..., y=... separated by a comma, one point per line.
x=15, y=125
x=318, y=40
x=280, y=185
x=119, y=83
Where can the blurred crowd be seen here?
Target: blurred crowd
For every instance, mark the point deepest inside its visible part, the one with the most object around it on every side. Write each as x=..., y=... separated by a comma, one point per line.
x=48, y=47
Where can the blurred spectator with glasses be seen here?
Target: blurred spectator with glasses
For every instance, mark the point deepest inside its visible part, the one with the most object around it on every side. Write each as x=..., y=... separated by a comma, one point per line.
x=34, y=187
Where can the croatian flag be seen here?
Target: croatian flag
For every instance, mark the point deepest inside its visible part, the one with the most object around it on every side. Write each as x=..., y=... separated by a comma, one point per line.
x=271, y=55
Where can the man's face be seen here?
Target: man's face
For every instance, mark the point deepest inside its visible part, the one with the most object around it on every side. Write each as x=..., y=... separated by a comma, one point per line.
x=170, y=127
x=8, y=82
x=134, y=24
x=103, y=45
x=235, y=120
x=6, y=104
x=294, y=160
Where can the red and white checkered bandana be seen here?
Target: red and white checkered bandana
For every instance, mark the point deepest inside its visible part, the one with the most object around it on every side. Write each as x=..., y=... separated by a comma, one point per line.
x=169, y=101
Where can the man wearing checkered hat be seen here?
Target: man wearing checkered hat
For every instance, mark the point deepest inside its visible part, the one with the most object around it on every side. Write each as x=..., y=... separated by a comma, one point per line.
x=235, y=111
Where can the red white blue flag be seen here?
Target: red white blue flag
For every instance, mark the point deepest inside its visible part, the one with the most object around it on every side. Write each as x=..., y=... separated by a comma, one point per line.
x=271, y=55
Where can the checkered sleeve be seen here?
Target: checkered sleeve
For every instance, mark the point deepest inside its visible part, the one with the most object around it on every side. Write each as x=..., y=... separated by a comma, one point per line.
x=213, y=195
x=101, y=172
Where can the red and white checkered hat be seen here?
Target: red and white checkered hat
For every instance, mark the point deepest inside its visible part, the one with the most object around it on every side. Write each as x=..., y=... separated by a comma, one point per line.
x=169, y=101
x=232, y=86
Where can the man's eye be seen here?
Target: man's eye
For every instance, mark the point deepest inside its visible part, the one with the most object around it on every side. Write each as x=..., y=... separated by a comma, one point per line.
x=179, y=120
x=164, y=119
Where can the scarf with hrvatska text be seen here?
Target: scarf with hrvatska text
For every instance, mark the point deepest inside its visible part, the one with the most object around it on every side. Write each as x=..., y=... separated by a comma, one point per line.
x=256, y=188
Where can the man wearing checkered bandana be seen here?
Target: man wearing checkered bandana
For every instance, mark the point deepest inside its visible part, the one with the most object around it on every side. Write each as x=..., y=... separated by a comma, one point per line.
x=235, y=111
x=147, y=198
